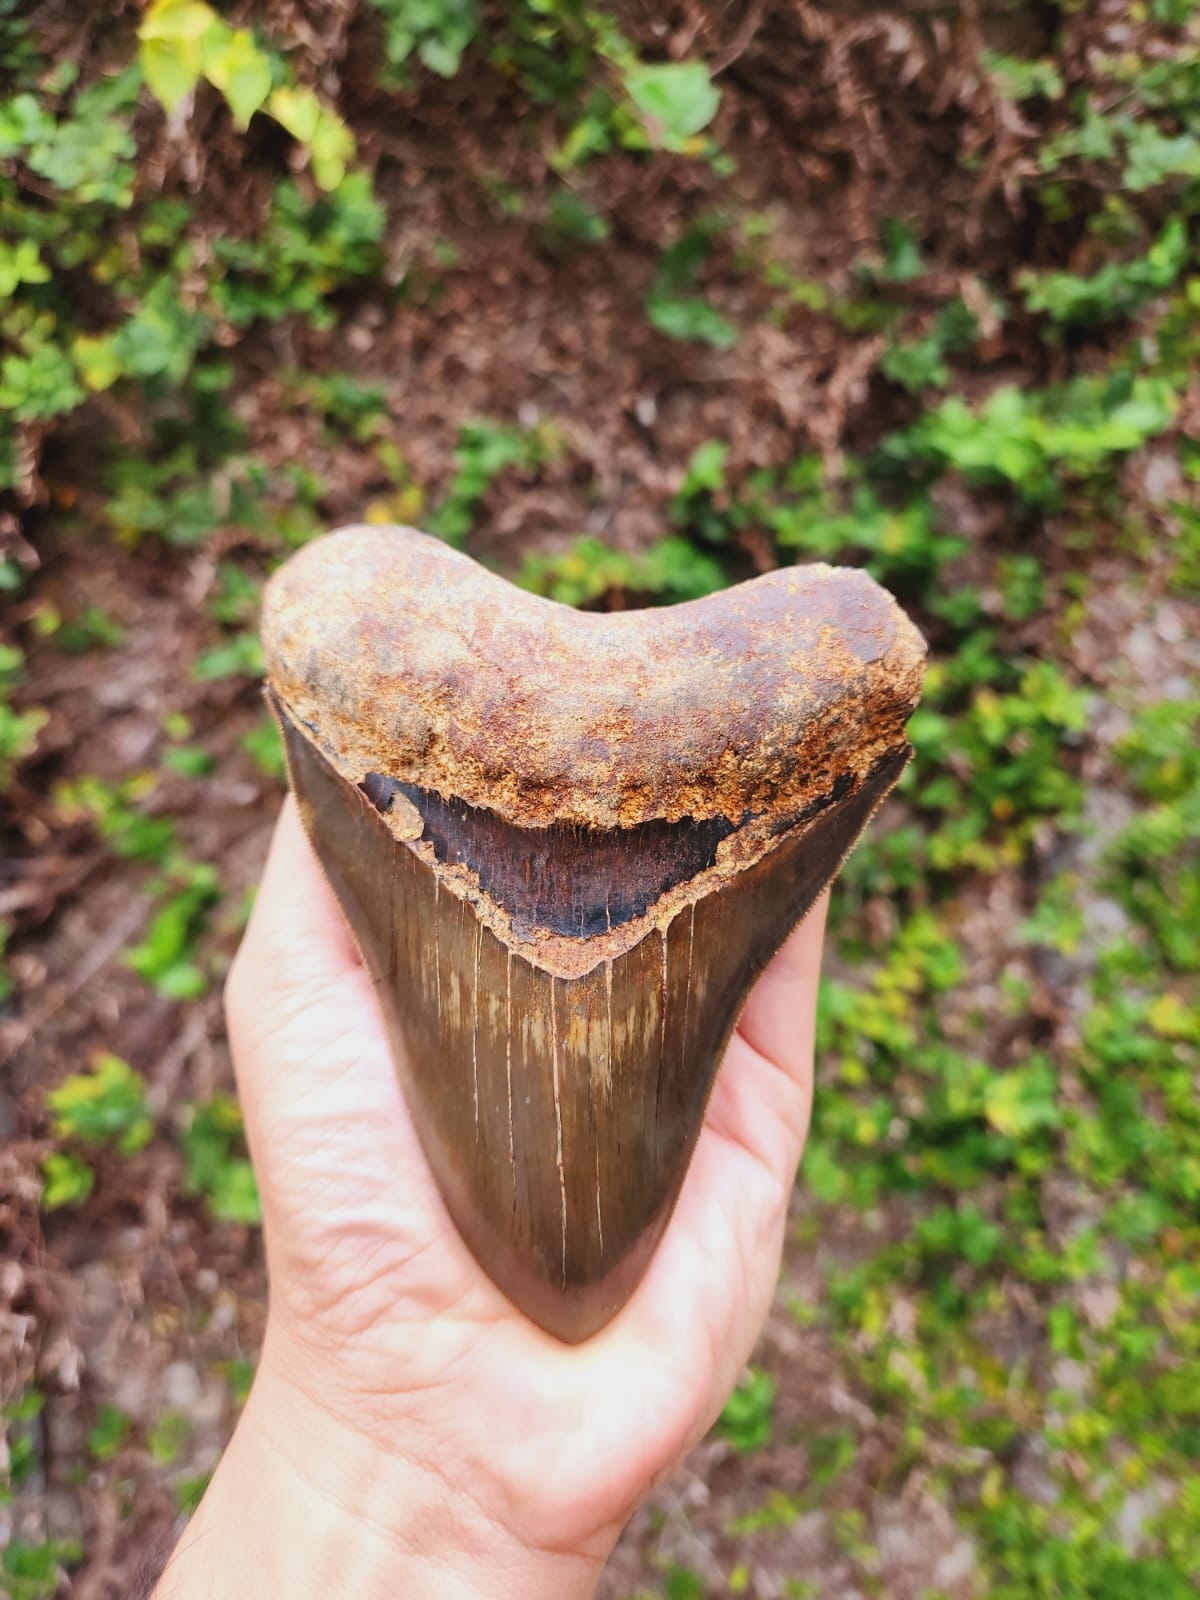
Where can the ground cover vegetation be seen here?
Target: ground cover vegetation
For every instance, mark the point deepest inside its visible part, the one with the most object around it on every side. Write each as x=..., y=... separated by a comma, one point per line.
x=631, y=302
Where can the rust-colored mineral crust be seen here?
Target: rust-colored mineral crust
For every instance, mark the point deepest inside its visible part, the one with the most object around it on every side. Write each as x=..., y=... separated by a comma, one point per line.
x=566, y=844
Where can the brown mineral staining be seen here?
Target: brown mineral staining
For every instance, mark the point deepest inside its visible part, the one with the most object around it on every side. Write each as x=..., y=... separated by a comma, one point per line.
x=408, y=659
x=566, y=845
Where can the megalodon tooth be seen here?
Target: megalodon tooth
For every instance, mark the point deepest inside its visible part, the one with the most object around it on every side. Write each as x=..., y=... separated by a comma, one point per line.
x=566, y=844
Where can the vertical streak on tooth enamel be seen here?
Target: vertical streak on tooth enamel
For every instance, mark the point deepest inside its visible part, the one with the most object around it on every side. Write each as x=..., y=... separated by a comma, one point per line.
x=512, y=1152
x=594, y=1128
x=662, y=1036
x=687, y=993
x=662, y=1046
x=562, y=1176
x=475, y=1025
x=608, y=1036
x=437, y=942
x=393, y=957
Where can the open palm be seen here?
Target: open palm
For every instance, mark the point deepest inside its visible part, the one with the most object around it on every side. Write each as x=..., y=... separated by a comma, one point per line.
x=381, y=1317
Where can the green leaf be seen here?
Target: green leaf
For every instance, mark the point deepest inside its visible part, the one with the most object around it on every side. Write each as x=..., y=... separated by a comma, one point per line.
x=264, y=746
x=1023, y=1101
x=916, y=366
x=171, y=48
x=746, y=1419
x=40, y=385
x=684, y=1584
x=67, y=1180
x=297, y=110
x=87, y=153
x=1017, y=79
x=234, y=1196
x=177, y=20
x=1154, y=156
x=215, y=1164
x=109, y=1433
x=902, y=255
x=331, y=148
x=18, y=738
x=438, y=30
x=692, y=318
x=677, y=100
x=191, y=1491
x=160, y=339
x=188, y=760
x=706, y=469
x=21, y=263
x=235, y=64
x=673, y=569
x=34, y=1571
x=96, y=360
x=569, y=215
x=168, y=1436
x=238, y=657
x=330, y=143
x=181, y=980
x=104, y=1106
x=164, y=957
x=1117, y=289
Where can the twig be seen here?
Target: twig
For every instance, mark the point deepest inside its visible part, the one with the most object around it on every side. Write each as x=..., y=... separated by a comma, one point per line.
x=97, y=958
x=740, y=42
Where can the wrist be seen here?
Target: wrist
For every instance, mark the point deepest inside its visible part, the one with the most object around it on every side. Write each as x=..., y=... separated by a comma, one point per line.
x=301, y=1506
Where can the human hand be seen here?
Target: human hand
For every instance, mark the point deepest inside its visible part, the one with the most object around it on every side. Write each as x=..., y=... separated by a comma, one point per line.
x=409, y=1431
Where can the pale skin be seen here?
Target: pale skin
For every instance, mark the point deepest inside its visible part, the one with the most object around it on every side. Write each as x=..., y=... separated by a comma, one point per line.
x=409, y=1432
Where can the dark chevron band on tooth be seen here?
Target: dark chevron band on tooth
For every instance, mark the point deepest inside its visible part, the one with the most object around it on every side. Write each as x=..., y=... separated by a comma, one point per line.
x=562, y=879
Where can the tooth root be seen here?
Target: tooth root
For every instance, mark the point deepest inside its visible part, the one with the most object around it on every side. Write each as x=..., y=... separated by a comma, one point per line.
x=558, y=1112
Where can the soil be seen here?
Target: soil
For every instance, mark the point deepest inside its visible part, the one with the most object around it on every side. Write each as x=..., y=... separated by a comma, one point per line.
x=138, y=1300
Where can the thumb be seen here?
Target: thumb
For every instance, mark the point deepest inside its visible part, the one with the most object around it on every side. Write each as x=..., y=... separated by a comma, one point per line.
x=297, y=946
x=762, y=1099
x=313, y=1063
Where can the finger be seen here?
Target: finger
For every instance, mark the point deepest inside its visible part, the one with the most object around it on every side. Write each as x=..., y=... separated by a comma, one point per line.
x=713, y=1278
x=779, y=1018
x=762, y=1099
x=296, y=933
x=297, y=979
x=304, y=1023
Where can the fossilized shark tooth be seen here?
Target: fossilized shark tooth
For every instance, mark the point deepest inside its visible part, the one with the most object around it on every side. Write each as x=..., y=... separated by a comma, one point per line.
x=566, y=844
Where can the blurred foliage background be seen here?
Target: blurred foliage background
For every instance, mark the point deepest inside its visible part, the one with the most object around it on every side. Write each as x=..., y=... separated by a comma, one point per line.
x=632, y=302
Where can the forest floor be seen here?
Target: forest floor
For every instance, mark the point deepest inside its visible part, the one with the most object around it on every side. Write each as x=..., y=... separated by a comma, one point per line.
x=624, y=381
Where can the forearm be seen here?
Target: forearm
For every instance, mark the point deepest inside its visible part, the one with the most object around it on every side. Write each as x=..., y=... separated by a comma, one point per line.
x=291, y=1514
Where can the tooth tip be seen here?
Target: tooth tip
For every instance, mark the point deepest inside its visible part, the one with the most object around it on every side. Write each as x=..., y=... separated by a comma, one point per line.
x=577, y=1313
